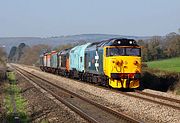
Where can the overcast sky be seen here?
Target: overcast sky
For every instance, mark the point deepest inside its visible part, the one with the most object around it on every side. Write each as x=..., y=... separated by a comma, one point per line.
x=44, y=18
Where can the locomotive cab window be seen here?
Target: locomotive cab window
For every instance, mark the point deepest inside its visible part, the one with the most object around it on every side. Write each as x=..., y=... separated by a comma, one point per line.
x=133, y=52
x=115, y=51
x=123, y=51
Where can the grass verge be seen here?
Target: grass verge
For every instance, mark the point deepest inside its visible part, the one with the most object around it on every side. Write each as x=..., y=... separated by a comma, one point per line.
x=20, y=102
x=172, y=64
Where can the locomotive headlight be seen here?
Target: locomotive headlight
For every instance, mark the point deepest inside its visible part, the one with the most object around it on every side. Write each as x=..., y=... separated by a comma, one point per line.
x=130, y=42
x=119, y=42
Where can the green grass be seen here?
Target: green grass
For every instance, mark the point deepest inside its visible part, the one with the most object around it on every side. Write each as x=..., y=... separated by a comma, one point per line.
x=172, y=64
x=21, y=103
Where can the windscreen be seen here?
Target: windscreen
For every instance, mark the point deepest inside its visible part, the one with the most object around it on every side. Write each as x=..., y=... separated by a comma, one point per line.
x=123, y=51
x=115, y=51
x=133, y=51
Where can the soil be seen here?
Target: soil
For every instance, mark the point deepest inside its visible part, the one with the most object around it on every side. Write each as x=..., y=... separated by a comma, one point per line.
x=165, y=82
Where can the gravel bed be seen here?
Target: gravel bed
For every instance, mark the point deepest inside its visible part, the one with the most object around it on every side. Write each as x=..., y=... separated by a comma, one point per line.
x=40, y=108
x=157, y=99
x=140, y=109
x=165, y=94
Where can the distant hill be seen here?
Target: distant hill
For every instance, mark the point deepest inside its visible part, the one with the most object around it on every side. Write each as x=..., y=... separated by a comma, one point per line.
x=58, y=40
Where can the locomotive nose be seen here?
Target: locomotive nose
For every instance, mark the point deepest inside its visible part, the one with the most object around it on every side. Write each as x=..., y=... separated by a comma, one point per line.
x=125, y=65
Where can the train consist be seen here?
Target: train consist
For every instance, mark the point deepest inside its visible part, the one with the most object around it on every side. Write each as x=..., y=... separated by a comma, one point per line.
x=113, y=62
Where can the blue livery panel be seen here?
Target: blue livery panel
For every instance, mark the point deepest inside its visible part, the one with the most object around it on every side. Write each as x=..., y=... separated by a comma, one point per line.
x=77, y=57
x=54, y=60
x=94, y=59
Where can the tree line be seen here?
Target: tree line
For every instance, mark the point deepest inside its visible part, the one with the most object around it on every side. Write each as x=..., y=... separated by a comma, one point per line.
x=25, y=54
x=2, y=56
x=160, y=47
x=154, y=48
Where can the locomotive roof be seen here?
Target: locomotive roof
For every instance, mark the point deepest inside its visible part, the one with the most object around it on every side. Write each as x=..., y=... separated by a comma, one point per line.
x=115, y=42
x=119, y=42
x=109, y=42
x=53, y=52
x=65, y=51
x=48, y=53
x=41, y=55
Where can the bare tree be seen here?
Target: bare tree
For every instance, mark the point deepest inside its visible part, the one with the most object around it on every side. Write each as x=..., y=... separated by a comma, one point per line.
x=65, y=46
x=172, y=45
x=31, y=54
x=2, y=56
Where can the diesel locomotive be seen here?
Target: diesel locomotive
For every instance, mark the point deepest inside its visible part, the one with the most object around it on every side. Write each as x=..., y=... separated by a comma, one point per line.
x=114, y=62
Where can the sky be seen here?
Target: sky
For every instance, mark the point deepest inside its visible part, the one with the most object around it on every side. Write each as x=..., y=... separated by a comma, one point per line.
x=46, y=18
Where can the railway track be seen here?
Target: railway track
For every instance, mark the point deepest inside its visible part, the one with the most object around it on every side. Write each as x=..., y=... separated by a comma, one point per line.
x=158, y=99
x=89, y=110
x=169, y=102
x=158, y=96
x=154, y=98
x=162, y=100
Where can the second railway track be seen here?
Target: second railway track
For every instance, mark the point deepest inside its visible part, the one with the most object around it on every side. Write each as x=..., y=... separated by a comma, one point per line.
x=158, y=96
x=89, y=110
x=155, y=99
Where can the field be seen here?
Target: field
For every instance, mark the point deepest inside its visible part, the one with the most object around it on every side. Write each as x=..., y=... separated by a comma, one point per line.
x=172, y=64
